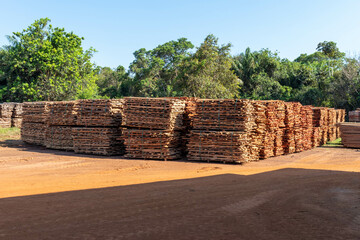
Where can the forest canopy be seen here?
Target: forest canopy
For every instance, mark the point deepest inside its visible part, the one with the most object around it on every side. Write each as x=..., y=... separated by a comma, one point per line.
x=47, y=63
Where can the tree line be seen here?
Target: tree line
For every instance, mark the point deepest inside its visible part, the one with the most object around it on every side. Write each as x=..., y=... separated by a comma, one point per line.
x=47, y=63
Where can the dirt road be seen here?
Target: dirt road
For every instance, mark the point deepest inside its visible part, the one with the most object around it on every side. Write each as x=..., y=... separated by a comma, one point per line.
x=47, y=194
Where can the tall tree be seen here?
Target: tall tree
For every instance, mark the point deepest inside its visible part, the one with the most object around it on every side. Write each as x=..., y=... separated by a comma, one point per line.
x=46, y=63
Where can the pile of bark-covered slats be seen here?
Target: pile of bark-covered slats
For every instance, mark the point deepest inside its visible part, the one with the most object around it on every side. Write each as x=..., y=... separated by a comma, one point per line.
x=223, y=131
x=350, y=134
x=97, y=126
x=289, y=134
x=61, y=119
x=34, y=125
x=97, y=140
x=59, y=137
x=16, y=119
x=152, y=127
x=6, y=112
x=99, y=112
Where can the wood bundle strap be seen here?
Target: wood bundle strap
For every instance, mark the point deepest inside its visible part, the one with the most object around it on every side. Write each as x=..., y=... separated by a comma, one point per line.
x=33, y=133
x=99, y=112
x=152, y=144
x=154, y=113
x=350, y=134
x=62, y=113
x=219, y=146
x=97, y=140
x=59, y=137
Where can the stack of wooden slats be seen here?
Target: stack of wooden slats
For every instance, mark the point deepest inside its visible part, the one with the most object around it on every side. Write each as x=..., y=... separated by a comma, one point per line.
x=188, y=119
x=340, y=117
x=99, y=112
x=354, y=116
x=289, y=135
x=61, y=119
x=280, y=131
x=298, y=127
x=259, y=131
x=6, y=111
x=331, y=123
x=152, y=127
x=16, y=119
x=33, y=127
x=320, y=120
x=97, y=140
x=350, y=134
x=97, y=130
x=307, y=124
x=223, y=131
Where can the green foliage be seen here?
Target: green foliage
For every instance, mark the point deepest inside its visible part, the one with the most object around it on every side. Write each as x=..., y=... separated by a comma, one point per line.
x=46, y=63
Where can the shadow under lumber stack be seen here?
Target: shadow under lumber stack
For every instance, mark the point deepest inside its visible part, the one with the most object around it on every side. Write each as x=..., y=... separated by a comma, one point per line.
x=152, y=128
x=222, y=131
x=97, y=131
x=33, y=128
x=61, y=120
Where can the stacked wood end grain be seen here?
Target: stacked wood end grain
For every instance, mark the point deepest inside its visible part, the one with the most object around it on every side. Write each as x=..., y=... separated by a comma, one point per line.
x=153, y=127
x=219, y=146
x=350, y=134
x=224, y=131
x=289, y=135
x=152, y=144
x=6, y=112
x=97, y=130
x=154, y=113
x=16, y=119
x=97, y=140
x=62, y=113
x=99, y=112
x=34, y=124
x=307, y=125
x=59, y=137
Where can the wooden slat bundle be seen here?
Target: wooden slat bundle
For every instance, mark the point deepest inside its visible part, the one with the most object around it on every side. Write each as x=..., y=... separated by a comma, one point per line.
x=315, y=137
x=354, y=116
x=97, y=140
x=188, y=119
x=62, y=113
x=154, y=113
x=33, y=133
x=258, y=133
x=59, y=137
x=219, y=146
x=6, y=110
x=35, y=112
x=16, y=118
x=298, y=127
x=289, y=135
x=224, y=115
x=152, y=144
x=99, y=112
x=16, y=122
x=350, y=134
x=307, y=124
x=5, y=122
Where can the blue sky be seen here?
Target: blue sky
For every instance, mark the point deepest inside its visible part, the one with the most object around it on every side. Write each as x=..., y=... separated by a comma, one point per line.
x=117, y=28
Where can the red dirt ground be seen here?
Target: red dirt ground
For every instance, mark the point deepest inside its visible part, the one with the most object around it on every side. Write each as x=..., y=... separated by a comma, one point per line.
x=46, y=194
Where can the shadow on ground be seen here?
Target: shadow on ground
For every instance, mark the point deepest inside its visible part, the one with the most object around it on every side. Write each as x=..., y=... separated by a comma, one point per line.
x=282, y=204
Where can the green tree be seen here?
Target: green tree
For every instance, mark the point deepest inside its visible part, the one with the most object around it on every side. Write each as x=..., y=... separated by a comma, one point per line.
x=46, y=63
x=208, y=73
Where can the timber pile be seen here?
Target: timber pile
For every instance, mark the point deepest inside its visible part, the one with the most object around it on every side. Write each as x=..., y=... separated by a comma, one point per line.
x=154, y=113
x=307, y=124
x=223, y=130
x=298, y=127
x=320, y=119
x=16, y=119
x=259, y=131
x=315, y=137
x=33, y=133
x=152, y=144
x=188, y=119
x=152, y=127
x=219, y=146
x=354, y=116
x=98, y=141
x=62, y=113
x=99, y=112
x=59, y=137
x=289, y=135
x=34, y=122
x=6, y=111
x=331, y=124
x=350, y=134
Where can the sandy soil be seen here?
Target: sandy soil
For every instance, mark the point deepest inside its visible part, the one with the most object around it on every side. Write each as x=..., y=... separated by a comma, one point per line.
x=46, y=194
